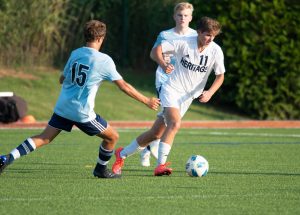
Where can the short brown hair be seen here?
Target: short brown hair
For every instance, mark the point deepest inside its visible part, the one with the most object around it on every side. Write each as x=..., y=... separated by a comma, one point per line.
x=206, y=24
x=93, y=30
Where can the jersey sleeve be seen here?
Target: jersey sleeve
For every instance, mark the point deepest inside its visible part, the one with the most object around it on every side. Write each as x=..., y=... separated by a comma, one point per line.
x=168, y=47
x=219, y=67
x=159, y=39
x=67, y=67
x=110, y=71
x=174, y=46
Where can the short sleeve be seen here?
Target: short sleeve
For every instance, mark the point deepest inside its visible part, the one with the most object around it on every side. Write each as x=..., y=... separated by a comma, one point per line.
x=168, y=47
x=219, y=67
x=110, y=71
x=159, y=39
x=67, y=67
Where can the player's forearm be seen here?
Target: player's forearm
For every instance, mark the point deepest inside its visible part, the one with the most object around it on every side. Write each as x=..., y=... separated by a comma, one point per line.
x=216, y=84
x=132, y=92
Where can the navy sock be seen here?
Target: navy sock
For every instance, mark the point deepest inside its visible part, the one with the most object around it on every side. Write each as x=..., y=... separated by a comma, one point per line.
x=104, y=156
x=10, y=158
x=23, y=149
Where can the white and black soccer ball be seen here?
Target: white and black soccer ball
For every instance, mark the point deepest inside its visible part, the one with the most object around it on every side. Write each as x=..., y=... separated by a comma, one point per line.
x=196, y=166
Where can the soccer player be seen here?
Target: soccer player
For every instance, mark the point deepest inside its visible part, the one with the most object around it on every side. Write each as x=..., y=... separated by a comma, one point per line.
x=182, y=16
x=195, y=58
x=83, y=74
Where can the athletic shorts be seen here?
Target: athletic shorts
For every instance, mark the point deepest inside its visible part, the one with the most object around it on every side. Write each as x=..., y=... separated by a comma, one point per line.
x=169, y=97
x=93, y=127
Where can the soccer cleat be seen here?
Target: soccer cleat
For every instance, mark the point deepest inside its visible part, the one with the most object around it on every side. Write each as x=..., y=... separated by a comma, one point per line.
x=104, y=173
x=3, y=162
x=145, y=157
x=162, y=169
x=119, y=163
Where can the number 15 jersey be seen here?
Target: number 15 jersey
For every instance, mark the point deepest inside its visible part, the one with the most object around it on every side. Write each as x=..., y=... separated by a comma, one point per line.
x=84, y=72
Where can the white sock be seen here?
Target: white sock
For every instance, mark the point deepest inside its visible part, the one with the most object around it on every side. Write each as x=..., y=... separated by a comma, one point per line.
x=154, y=148
x=15, y=153
x=163, y=152
x=132, y=148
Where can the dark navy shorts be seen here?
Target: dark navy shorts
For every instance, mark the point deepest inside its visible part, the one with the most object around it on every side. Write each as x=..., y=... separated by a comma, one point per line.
x=93, y=127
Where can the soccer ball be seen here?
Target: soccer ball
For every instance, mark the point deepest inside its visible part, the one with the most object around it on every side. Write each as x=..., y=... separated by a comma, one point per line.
x=196, y=166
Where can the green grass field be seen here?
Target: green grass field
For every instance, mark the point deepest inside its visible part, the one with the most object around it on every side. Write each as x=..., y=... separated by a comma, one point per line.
x=252, y=171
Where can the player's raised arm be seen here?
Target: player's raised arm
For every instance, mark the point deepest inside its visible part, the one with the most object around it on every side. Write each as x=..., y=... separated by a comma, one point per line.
x=156, y=55
x=152, y=103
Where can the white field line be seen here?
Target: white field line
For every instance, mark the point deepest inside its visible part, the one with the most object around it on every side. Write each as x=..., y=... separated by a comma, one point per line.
x=194, y=132
x=250, y=134
x=216, y=133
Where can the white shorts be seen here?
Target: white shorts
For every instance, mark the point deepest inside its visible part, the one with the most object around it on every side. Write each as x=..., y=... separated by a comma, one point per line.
x=170, y=97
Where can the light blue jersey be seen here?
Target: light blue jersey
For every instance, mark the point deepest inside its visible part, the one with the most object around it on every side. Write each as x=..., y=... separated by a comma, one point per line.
x=84, y=72
x=169, y=35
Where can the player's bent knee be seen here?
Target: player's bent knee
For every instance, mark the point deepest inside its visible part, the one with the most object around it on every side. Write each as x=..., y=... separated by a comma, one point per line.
x=112, y=138
x=115, y=137
x=174, y=125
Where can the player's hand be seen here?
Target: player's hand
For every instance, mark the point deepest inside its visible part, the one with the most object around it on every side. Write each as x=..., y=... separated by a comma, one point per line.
x=205, y=96
x=153, y=103
x=169, y=68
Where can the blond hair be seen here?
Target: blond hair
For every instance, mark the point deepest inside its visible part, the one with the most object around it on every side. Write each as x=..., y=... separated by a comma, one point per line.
x=183, y=5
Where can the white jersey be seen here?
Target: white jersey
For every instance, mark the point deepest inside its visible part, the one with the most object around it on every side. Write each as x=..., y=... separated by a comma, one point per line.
x=169, y=35
x=192, y=68
x=84, y=72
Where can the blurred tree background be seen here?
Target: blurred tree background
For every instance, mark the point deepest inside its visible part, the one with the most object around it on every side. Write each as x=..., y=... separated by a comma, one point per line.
x=260, y=41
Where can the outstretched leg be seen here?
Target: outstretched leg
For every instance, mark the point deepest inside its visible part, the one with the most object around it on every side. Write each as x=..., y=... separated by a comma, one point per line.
x=28, y=146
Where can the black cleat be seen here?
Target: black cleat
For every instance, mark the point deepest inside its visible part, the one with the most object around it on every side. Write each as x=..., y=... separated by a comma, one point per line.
x=3, y=162
x=104, y=173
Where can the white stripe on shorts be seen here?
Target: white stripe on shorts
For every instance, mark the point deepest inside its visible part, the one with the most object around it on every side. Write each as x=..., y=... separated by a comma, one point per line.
x=98, y=125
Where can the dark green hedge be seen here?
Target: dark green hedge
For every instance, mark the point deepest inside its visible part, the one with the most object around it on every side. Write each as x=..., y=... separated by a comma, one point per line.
x=261, y=46
x=260, y=41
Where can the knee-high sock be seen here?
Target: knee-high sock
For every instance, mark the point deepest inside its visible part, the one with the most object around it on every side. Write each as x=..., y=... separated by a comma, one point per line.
x=153, y=148
x=104, y=155
x=132, y=148
x=163, y=152
x=23, y=149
